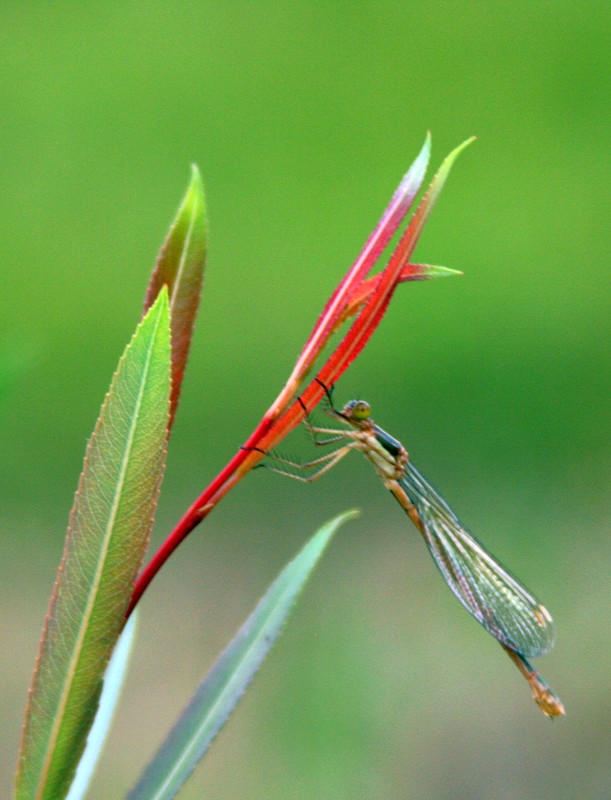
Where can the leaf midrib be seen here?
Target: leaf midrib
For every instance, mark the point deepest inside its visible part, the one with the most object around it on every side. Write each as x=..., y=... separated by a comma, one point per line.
x=185, y=249
x=59, y=718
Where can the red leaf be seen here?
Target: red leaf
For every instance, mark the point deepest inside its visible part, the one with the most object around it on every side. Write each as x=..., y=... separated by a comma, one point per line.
x=180, y=266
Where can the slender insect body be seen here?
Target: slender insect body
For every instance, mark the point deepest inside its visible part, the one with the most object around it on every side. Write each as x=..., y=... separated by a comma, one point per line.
x=497, y=600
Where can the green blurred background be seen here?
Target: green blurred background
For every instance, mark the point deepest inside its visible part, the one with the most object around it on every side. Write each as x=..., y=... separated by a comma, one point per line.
x=303, y=117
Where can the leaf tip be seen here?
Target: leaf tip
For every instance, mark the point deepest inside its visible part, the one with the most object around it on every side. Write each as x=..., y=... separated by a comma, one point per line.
x=195, y=192
x=162, y=301
x=424, y=155
x=196, y=178
x=441, y=272
x=463, y=146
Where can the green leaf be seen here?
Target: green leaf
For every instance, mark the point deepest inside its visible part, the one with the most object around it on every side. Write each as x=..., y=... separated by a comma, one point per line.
x=113, y=683
x=219, y=692
x=432, y=271
x=180, y=266
x=107, y=536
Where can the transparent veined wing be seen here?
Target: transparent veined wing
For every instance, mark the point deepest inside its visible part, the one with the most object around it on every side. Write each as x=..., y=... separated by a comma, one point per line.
x=486, y=589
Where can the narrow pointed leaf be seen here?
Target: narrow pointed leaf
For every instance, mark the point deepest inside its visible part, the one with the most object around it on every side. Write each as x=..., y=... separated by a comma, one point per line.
x=113, y=683
x=180, y=266
x=394, y=213
x=375, y=307
x=370, y=314
x=218, y=694
x=428, y=272
x=107, y=536
x=411, y=272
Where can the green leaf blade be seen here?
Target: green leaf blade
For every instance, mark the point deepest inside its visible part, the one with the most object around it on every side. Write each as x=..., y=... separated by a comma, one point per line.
x=114, y=678
x=107, y=537
x=221, y=689
x=180, y=266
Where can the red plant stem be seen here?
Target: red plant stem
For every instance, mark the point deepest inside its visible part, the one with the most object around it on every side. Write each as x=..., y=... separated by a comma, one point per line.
x=278, y=422
x=196, y=513
x=263, y=436
x=233, y=472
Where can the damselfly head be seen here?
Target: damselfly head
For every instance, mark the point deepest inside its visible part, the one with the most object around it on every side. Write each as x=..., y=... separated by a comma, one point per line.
x=357, y=410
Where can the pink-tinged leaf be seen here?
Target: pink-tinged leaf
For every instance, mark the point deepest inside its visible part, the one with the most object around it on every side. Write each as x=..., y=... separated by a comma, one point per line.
x=395, y=212
x=180, y=266
x=107, y=537
x=380, y=289
x=426, y=272
x=375, y=307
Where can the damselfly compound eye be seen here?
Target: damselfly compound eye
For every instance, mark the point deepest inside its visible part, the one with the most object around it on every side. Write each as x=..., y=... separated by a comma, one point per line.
x=357, y=409
x=362, y=410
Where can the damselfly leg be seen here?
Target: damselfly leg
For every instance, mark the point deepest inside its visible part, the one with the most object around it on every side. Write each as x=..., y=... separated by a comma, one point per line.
x=322, y=465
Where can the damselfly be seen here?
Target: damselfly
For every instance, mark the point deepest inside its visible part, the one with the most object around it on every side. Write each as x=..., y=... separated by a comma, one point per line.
x=497, y=600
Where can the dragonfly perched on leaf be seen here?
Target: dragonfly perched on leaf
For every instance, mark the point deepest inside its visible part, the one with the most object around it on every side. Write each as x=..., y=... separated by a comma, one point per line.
x=489, y=592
